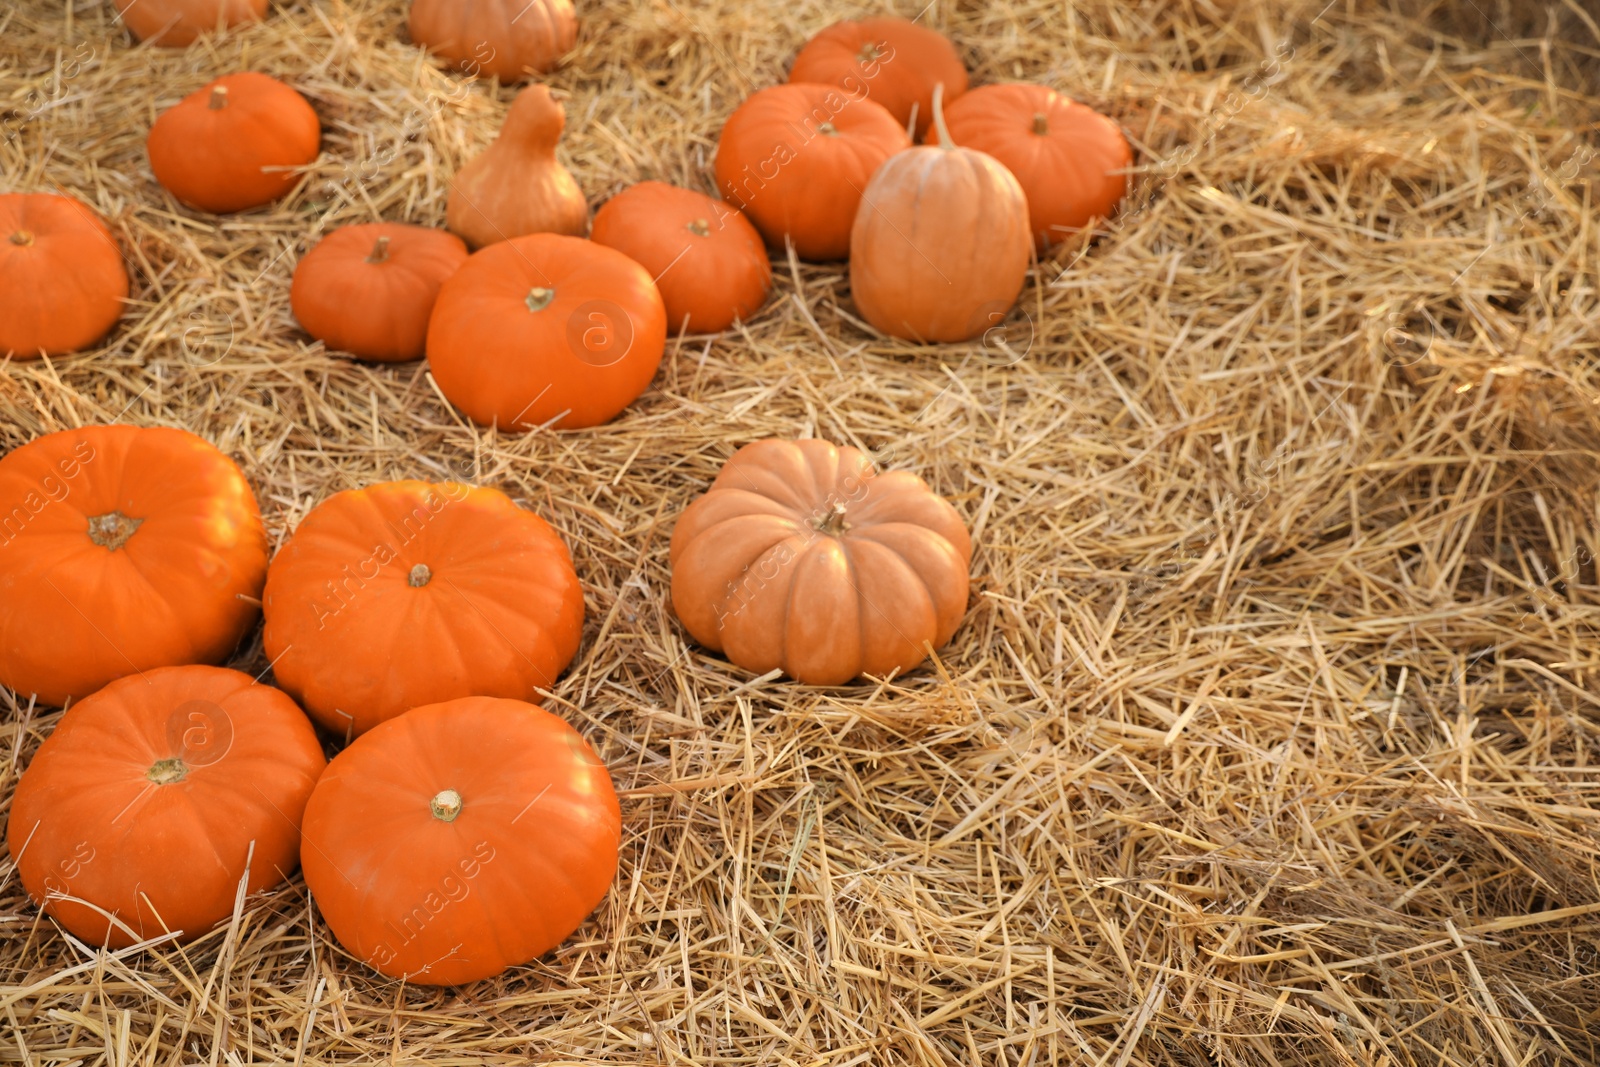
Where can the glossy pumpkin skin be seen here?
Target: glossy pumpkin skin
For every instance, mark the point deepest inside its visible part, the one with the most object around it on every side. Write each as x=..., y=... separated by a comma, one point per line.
x=706, y=258
x=122, y=549
x=939, y=250
x=368, y=289
x=1070, y=160
x=503, y=38
x=176, y=23
x=546, y=329
x=461, y=839
x=62, y=279
x=233, y=144
x=146, y=800
x=409, y=593
x=795, y=158
x=516, y=186
x=803, y=558
x=895, y=61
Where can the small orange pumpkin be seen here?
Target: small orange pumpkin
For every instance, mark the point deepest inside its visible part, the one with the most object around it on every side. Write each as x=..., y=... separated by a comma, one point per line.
x=546, y=329
x=234, y=144
x=62, y=279
x=461, y=839
x=893, y=60
x=705, y=257
x=176, y=23
x=368, y=290
x=940, y=246
x=1070, y=160
x=154, y=796
x=406, y=593
x=803, y=558
x=516, y=186
x=795, y=158
x=503, y=38
x=122, y=549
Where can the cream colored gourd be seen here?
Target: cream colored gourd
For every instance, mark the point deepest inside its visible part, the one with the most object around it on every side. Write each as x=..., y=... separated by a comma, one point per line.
x=516, y=186
x=939, y=249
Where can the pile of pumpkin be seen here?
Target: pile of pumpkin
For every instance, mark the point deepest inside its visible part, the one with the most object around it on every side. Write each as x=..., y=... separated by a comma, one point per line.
x=420, y=625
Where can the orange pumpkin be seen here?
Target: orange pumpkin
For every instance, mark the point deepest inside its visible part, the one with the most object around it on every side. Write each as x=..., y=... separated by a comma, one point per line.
x=234, y=144
x=176, y=23
x=940, y=246
x=62, y=280
x=503, y=38
x=803, y=558
x=122, y=549
x=461, y=839
x=155, y=795
x=369, y=289
x=1070, y=160
x=795, y=158
x=706, y=259
x=406, y=593
x=546, y=329
x=516, y=186
x=892, y=60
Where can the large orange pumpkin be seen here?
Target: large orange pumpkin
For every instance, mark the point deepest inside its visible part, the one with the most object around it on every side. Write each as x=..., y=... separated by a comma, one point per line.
x=503, y=38
x=546, y=329
x=369, y=289
x=1070, y=160
x=940, y=246
x=234, y=144
x=893, y=60
x=407, y=593
x=155, y=796
x=122, y=549
x=706, y=258
x=795, y=158
x=461, y=839
x=176, y=23
x=62, y=279
x=803, y=558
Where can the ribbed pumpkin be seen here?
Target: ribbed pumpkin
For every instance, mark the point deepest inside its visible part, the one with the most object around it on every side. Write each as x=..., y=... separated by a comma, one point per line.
x=546, y=329
x=461, y=839
x=503, y=38
x=795, y=158
x=176, y=23
x=803, y=558
x=940, y=246
x=62, y=279
x=234, y=144
x=1070, y=160
x=368, y=289
x=706, y=258
x=408, y=593
x=516, y=186
x=894, y=61
x=122, y=549
x=152, y=798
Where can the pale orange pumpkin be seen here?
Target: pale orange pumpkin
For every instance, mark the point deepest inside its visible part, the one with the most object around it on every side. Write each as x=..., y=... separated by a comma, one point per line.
x=516, y=186
x=804, y=558
x=939, y=249
x=503, y=38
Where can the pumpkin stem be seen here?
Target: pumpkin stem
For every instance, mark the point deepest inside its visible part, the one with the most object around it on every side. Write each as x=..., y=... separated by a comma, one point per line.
x=112, y=530
x=22, y=237
x=380, y=250
x=828, y=128
x=446, y=805
x=938, y=117
x=219, y=98
x=700, y=228
x=833, y=522
x=868, y=53
x=420, y=576
x=539, y=298
x=167, y=771
x=1040, y=126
